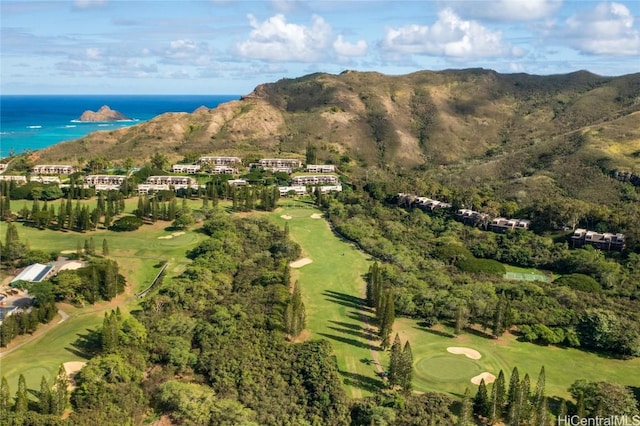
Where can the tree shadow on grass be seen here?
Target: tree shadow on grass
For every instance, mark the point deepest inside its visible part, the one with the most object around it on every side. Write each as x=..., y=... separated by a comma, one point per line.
x=359, y=381
x=357, y=302
x=361, y=317
x=350, y=325
x=342, y=303
x=436, y=332
x=86, y=345
x=352, y=342
x=356, y=333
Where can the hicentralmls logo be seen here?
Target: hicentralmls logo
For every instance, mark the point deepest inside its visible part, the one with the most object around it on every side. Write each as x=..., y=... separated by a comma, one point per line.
x=599, y=421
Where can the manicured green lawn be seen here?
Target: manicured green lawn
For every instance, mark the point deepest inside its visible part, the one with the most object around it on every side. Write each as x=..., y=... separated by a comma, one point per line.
x=437, y=370
x=138, y=254
x=332, y=290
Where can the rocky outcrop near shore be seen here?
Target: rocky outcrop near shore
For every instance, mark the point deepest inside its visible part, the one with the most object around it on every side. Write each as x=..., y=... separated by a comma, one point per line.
x=103, y=114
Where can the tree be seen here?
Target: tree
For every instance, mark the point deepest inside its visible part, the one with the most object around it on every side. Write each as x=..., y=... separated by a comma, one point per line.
x=105, y=247
x=395, y=357
x=183, y=221
x=60, y=392
x=159, y=161
x=497, y=398
x=5, y=397
x=44, y=397
x=386, y=317
x=22, y=399
x=538, y=396
x=466, y=411
x=481, y=400
x=406, y=367
x=295, y=313
x=615, y=399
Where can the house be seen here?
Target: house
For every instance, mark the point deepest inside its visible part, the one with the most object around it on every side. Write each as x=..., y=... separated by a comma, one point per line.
x=93, y=180
x=172, y=180
x=185, y=168
x=472, y=217
x=423, y=203
x=320, y=168
x=330, y=188
x=237, y=182
x=599, y=240
x=20, y=180
x=279, y=163
x=34, y=273
x=298, y=189
x=46, y=179
x=146, y=188
x=315, y=180
x=106, y=187
x=53, y=169
x=501, y=224
x=224, y=170
x=219, y=161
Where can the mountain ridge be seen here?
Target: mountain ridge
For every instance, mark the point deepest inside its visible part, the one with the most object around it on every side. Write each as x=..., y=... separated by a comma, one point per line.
x=493, y=126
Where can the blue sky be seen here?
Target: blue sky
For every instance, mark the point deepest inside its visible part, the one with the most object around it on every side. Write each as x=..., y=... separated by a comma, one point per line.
x=231, y=46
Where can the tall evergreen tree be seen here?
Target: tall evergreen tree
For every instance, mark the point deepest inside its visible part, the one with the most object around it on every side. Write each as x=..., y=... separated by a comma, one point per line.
x=92, y=246
x=295, y=315
x=542, y=413
x=44, y=398
x=386, y=318
x=60, y=392
x=105, y=247
x=394, y=362
x=481, y=400
x=406, y=367
x=498, y=318
x=498, y=394
x=466, y=411
x=5, y=397
x=538, y=396
x=524, y=407
x=21, y=404
x=562, y=411
x=580, y=408
x=514, y=386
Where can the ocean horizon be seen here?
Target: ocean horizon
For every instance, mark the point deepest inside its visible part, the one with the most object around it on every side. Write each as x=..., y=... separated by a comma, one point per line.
x=33, y=122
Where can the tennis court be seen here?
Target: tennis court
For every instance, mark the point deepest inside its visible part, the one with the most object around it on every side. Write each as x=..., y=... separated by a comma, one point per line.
x=527, y=276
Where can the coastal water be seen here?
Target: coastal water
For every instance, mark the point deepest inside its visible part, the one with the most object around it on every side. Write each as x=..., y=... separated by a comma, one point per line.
x=32, y=122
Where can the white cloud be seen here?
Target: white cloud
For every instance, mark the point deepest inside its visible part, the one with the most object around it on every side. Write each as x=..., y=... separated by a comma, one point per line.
x=508, y=10
x=347, y=49
x=276, y=40
x=607, y=29
x=449, y=36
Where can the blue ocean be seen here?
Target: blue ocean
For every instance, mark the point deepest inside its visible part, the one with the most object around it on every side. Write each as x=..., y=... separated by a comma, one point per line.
x=32, y=122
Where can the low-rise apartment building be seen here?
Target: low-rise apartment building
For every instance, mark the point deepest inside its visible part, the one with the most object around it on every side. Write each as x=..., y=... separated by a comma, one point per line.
x=219, y=161
x=599, y=240
x=320, y=168
x=53, y=169
x=171, y=180
x=315, y=180
x=501, y=224
x=93, y=180
x=186, y=168
x=297, y=189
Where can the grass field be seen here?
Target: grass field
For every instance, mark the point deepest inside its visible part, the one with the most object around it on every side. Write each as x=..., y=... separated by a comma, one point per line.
x=332, y=289
x=526, y=274
x=436, y=369
x=138, y=254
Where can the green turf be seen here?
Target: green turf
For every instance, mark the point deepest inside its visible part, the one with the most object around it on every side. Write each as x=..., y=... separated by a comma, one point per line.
x=526, y=274
x=562, y=366
x=332, y=289
x=138, y=254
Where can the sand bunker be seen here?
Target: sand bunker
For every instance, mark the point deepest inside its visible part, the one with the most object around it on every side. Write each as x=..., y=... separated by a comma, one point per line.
x=67, y=251
x=177, y=234
x=300, y=262
x=316, y=216
x=286, y=217
x=71, y=265
x=469, y=353
x=488, y=378
x=72, y=368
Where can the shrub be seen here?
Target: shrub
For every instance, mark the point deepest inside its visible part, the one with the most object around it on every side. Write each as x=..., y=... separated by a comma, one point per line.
x=126, y=223
x=580, y=282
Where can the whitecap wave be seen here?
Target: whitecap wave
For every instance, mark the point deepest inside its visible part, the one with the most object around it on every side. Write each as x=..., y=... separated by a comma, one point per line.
x=70, y=126
x=34, y=127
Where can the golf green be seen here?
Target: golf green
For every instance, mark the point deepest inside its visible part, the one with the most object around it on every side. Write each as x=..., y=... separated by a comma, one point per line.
x=446, y=368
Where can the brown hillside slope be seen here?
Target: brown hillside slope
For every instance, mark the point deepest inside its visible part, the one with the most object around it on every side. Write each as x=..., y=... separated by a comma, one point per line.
x=504, y=125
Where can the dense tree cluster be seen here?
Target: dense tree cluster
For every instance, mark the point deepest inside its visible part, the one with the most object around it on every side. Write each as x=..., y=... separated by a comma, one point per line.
x=430, y=263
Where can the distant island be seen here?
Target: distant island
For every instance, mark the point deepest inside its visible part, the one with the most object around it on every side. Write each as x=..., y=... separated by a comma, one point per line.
x=103, y=114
